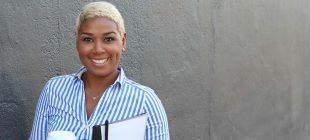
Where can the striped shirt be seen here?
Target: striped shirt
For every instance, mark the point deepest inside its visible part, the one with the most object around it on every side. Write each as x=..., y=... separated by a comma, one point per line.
x=62, y=106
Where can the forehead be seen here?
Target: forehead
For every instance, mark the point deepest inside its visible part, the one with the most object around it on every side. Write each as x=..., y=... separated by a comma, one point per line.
x=99, y=24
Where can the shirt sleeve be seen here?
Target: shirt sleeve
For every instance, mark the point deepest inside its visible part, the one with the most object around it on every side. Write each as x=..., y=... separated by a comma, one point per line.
x=157, y=124
x=39, y=127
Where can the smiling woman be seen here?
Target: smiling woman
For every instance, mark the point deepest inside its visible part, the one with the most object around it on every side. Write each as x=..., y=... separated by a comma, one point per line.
x=100, y=47
x=99, y=90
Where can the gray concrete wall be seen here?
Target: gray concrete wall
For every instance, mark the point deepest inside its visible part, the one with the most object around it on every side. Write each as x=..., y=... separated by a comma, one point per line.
x=224, y=69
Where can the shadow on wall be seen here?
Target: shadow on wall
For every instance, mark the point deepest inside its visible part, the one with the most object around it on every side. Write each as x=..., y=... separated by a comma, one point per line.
x=12, y=113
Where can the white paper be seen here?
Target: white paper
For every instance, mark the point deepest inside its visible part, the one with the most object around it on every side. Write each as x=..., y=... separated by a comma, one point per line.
x=128, y=129
x=61, y=135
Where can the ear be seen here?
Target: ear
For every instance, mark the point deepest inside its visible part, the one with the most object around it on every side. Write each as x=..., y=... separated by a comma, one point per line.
x=124, y=41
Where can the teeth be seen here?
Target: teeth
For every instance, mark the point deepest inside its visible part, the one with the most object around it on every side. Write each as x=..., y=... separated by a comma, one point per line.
x=101, y=61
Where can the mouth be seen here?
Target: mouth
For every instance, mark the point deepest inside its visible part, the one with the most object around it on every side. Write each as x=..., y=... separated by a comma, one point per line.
x=100, y=61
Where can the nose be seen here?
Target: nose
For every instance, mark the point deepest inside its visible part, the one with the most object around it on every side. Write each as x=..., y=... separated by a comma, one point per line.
x=98, y=47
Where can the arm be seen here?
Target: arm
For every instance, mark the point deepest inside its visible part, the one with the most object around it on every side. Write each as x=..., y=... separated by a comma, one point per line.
x=157, y=124
x=39, y=128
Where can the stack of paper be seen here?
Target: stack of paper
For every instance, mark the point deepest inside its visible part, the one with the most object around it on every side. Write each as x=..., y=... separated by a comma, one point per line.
x=128, y=129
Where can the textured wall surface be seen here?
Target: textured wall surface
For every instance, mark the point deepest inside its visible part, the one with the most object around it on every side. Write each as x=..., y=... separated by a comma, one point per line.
x=224, y=69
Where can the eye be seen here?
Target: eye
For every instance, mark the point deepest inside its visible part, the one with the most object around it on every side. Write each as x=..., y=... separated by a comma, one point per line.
x=87, y=39
x=109, y=39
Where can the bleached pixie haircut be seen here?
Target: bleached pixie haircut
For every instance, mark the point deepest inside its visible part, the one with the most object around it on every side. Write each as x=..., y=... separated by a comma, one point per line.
x=100, y=9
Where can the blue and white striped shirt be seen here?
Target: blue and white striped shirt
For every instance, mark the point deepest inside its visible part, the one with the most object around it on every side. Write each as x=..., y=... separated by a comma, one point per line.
x=62, y=106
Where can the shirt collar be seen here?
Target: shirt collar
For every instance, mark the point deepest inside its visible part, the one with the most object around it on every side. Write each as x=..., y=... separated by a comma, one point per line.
x=120, y=78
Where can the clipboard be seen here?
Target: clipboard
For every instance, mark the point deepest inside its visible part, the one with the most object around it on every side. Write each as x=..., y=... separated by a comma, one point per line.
x=128, y=129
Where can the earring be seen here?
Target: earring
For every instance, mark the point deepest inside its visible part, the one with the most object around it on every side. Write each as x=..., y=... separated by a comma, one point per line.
x=123, y=49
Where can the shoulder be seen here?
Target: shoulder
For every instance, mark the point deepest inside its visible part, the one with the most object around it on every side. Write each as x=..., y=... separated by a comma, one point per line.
x=138, y=87
x=149, y=95
x=59, y=86
x=62, y=80
x=63, y=77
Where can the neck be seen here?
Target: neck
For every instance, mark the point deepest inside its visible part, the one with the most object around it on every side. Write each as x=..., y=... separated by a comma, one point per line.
x=95, y=84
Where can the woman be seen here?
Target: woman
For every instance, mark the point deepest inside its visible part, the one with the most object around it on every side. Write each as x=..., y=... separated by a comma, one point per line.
x=99, y=90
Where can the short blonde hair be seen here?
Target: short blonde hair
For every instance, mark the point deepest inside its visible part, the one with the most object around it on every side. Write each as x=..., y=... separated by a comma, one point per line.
x=101, y=9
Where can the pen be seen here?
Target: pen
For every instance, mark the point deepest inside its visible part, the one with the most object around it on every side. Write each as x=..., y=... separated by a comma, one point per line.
x=106, y=129
x=96, y=132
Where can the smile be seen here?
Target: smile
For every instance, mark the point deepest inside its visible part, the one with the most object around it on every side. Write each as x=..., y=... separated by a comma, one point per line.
x=100, y=61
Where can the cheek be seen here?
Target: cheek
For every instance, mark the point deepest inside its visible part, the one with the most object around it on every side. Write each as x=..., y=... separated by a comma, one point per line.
x=117, y=55
x=82, y=50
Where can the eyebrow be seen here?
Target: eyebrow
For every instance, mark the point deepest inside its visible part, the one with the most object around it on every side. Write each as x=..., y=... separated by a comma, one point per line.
x=107, y=33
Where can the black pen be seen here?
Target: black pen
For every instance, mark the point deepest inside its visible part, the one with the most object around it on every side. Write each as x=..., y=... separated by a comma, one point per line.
x=106, y=130
x=96, y=133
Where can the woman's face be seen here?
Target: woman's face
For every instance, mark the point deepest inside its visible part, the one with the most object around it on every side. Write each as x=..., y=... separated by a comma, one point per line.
x=100, y=46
